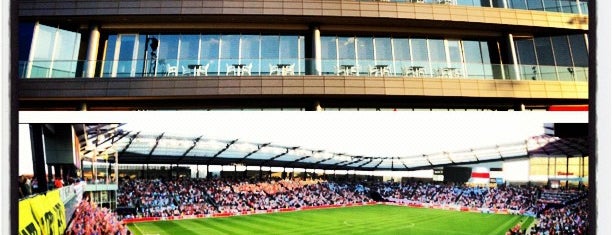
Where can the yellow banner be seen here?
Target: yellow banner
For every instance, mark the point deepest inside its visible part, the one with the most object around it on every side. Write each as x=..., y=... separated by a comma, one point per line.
x=57, y=207
x=27, y=223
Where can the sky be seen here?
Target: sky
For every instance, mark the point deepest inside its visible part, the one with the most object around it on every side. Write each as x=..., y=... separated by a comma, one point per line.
x=374, y=134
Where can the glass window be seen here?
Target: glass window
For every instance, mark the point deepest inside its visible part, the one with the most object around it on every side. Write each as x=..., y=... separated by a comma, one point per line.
x=42, y=52
x=546, y=60
x=562, y=51
x=190, y=49
x=473, y=59
x=517, y=4
x=384, y=52
x=289, y=47
x=419, y=53
x=535, y=5
x=365, y=51
x=346, y=48
x=209, y=52
x=109, y=56
x=552, y=5
x=579, y=50
x=125, y=64
x=437, y=53
x=328, y=54
x=526, y=58
x=269, y=52
x=401, y=50
x=168, y=51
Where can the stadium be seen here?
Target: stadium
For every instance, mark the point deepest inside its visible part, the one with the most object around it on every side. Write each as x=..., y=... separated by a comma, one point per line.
x=159, y=178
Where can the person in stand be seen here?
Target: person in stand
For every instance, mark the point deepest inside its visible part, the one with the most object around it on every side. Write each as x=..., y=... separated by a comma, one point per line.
x=58, y=183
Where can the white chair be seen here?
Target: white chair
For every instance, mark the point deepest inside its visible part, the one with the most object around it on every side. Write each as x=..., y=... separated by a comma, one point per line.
x=274, y=70
x=373, y=71
x=246, y=70
x=202, y=70
x=186, y=71
x=339, y=70
x=230, y=69
x=171, y=70
x=407, y=71
x=290, y=69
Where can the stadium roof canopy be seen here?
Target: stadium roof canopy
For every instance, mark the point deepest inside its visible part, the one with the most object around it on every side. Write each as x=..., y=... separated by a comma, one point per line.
x=158, y=147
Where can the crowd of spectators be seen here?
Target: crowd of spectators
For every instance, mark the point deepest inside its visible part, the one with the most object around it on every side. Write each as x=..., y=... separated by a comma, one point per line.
x=570, y=219
x=504, y=197
x=159, y=198
x=162, y=198
x=92, y=220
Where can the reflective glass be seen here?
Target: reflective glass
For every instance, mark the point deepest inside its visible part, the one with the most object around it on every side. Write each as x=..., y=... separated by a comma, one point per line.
x=545, y=58
x=553, y=5
x=42, y=51
x=365, y=51
x=419, y=53
x=66, y=54
x=328, y=54
x=535, y=5
x=109, y=57
x=517, y=4
x=209, y=52
x=579, y=50
x=125, y=65
x=269, y=52
x=384, y=53
x=189, y=51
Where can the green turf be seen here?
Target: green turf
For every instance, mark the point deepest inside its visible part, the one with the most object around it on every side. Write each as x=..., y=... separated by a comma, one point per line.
x=377, y=219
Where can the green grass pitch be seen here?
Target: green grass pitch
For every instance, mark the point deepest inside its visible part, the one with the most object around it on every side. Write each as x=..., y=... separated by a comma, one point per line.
x=377, y=219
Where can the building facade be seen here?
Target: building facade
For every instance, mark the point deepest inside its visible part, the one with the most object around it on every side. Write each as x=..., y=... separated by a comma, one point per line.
x=303, y=54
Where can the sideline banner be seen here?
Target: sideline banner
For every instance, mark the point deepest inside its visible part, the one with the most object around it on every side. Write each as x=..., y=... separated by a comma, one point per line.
x=27, y=223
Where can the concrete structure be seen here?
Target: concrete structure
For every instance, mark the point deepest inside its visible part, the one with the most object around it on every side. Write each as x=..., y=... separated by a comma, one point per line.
x=302, y=54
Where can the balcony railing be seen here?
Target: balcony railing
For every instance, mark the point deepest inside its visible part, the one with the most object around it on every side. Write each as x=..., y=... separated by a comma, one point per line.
x=300, y=67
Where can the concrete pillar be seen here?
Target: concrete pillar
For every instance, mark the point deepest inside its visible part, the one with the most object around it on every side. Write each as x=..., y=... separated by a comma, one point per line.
x=316, y=38
x=515, y=71
x=92, y=52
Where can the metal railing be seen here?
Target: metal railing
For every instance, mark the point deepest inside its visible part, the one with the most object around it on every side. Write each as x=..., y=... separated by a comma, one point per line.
x=300, y=67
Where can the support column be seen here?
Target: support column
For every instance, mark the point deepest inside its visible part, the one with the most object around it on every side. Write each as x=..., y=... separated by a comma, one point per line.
x=38, y=157
x=316, y=40
x=515, y=71
x=92, y=51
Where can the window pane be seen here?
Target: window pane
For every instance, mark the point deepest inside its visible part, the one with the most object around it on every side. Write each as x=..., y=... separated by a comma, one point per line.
x=168, y=49
x=517, y=4
x=420, y=54
x=365, y=49
x=346, y=47
x=526, y=58
x=546, y=61
x=535, y=5
x=109, y=57
x=209, y=52
x=289, y=47
x=346, y=50
x=190, y=47
x=229, y=46
x=269, y=52
x=436, y=50
x=552, y=5
x=579, y=50
x=249, y=46
x=328, y=54
x=383, y=49
x=126, y=54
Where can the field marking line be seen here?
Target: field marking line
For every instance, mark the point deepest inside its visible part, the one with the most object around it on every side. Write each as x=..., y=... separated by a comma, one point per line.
x=137, y=228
